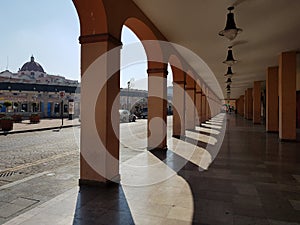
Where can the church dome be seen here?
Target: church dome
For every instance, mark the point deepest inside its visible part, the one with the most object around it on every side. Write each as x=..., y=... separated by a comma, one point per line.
x=32, y=66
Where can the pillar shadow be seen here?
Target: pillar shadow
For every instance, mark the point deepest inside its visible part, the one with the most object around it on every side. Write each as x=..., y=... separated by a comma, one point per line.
x=195, y=142
x=105, y=204
x=170, y=158
x=202, y=132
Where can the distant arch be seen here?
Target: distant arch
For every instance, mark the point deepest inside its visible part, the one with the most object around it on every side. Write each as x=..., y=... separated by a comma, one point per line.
x=92, y=17
x=177, y=68
x=148, y=38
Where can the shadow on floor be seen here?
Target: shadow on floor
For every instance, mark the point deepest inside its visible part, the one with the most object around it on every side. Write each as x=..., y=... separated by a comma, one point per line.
x=102, y=205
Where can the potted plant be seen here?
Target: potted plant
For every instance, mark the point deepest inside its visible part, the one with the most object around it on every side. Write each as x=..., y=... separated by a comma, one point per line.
x=17, y=118
x=7, y=104
x=1, y=116
x=34, y=118
x=6, y=123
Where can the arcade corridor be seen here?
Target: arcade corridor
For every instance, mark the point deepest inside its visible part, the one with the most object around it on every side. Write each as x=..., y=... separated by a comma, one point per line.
x=255, y=179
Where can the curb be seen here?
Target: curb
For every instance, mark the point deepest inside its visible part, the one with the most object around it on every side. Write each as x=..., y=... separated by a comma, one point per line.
x=37, y=129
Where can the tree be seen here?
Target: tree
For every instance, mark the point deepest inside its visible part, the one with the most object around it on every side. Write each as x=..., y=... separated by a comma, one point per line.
x=7, y=104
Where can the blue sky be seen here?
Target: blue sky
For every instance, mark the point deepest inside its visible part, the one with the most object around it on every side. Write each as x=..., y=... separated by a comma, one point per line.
x=49, y=30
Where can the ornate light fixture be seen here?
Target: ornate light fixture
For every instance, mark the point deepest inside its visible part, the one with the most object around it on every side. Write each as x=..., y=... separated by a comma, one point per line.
x=229, y=81
x=229, y=72
x=230, y=30
x=228, y=87
x=229, y=59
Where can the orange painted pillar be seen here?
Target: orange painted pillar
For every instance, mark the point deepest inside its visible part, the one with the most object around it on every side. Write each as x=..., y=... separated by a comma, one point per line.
x=157, y=107
x=99, y=141
x=208, y=117
x=178, y=109
x=250, y=103
x=190, y=110
x=198, y=104
x=203, y=104
x=272, y=107
x=257, y=102
x=246, y=108
x=287, y=96
x=203, y=107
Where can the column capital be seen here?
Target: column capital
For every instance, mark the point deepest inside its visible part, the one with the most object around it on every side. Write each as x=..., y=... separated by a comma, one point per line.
x=179, y=82
x=190, y=89
x=93, y=38
x=158, y=70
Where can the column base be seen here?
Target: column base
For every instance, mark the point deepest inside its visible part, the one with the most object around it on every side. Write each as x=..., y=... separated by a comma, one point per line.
x=287, y=140
x=84, y=182
x=272, y=132
x=160, y=153
x=157, y=149
x=180, y=137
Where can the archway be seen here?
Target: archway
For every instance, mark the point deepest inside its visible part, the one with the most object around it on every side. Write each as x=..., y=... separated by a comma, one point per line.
x=133, y=96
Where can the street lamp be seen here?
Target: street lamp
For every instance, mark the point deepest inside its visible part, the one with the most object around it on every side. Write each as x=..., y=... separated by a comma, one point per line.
x=128, y=85
x=62, y=95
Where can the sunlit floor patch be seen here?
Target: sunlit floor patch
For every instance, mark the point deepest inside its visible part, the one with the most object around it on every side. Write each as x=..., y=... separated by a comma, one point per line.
x=143, y=170
x=201, y=137
x=211, y=126
x=207, y=130
x=161, y=203
x=197, y=155
x=213, y=122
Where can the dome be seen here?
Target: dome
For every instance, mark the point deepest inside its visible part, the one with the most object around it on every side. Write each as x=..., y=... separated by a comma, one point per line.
x=32, y=66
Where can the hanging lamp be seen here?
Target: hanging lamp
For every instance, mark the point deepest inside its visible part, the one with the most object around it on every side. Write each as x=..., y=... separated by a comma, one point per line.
x=229, y=72
x=230, y=31
x=229, y=59
x=228, y=81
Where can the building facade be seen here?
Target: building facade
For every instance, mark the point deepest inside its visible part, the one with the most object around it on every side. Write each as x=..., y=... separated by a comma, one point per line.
x=32, y=90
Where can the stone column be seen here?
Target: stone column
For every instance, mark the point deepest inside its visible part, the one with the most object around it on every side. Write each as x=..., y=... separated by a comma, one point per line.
x=272, y=107
x=287, y=96
x=208, y=116
x=100, y=88
x=157, y=107
x=179, y=109
x=198, y=104
x=250, y=103
x=257, y=102
x=246, y=108
x=203, y=107
x=190, y=109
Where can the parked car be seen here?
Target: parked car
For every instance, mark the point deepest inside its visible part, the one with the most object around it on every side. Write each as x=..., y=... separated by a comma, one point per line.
x=144, y=114
x=126, y=116
x=132, y=118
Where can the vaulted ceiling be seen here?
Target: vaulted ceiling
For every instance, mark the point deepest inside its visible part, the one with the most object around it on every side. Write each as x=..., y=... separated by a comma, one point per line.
x=269, y=28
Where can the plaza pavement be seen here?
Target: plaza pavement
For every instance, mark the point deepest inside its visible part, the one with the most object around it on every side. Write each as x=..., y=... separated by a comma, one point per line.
x=44, y=124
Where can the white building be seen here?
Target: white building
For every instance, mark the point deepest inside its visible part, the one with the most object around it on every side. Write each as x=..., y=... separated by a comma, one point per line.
x=31, y=89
